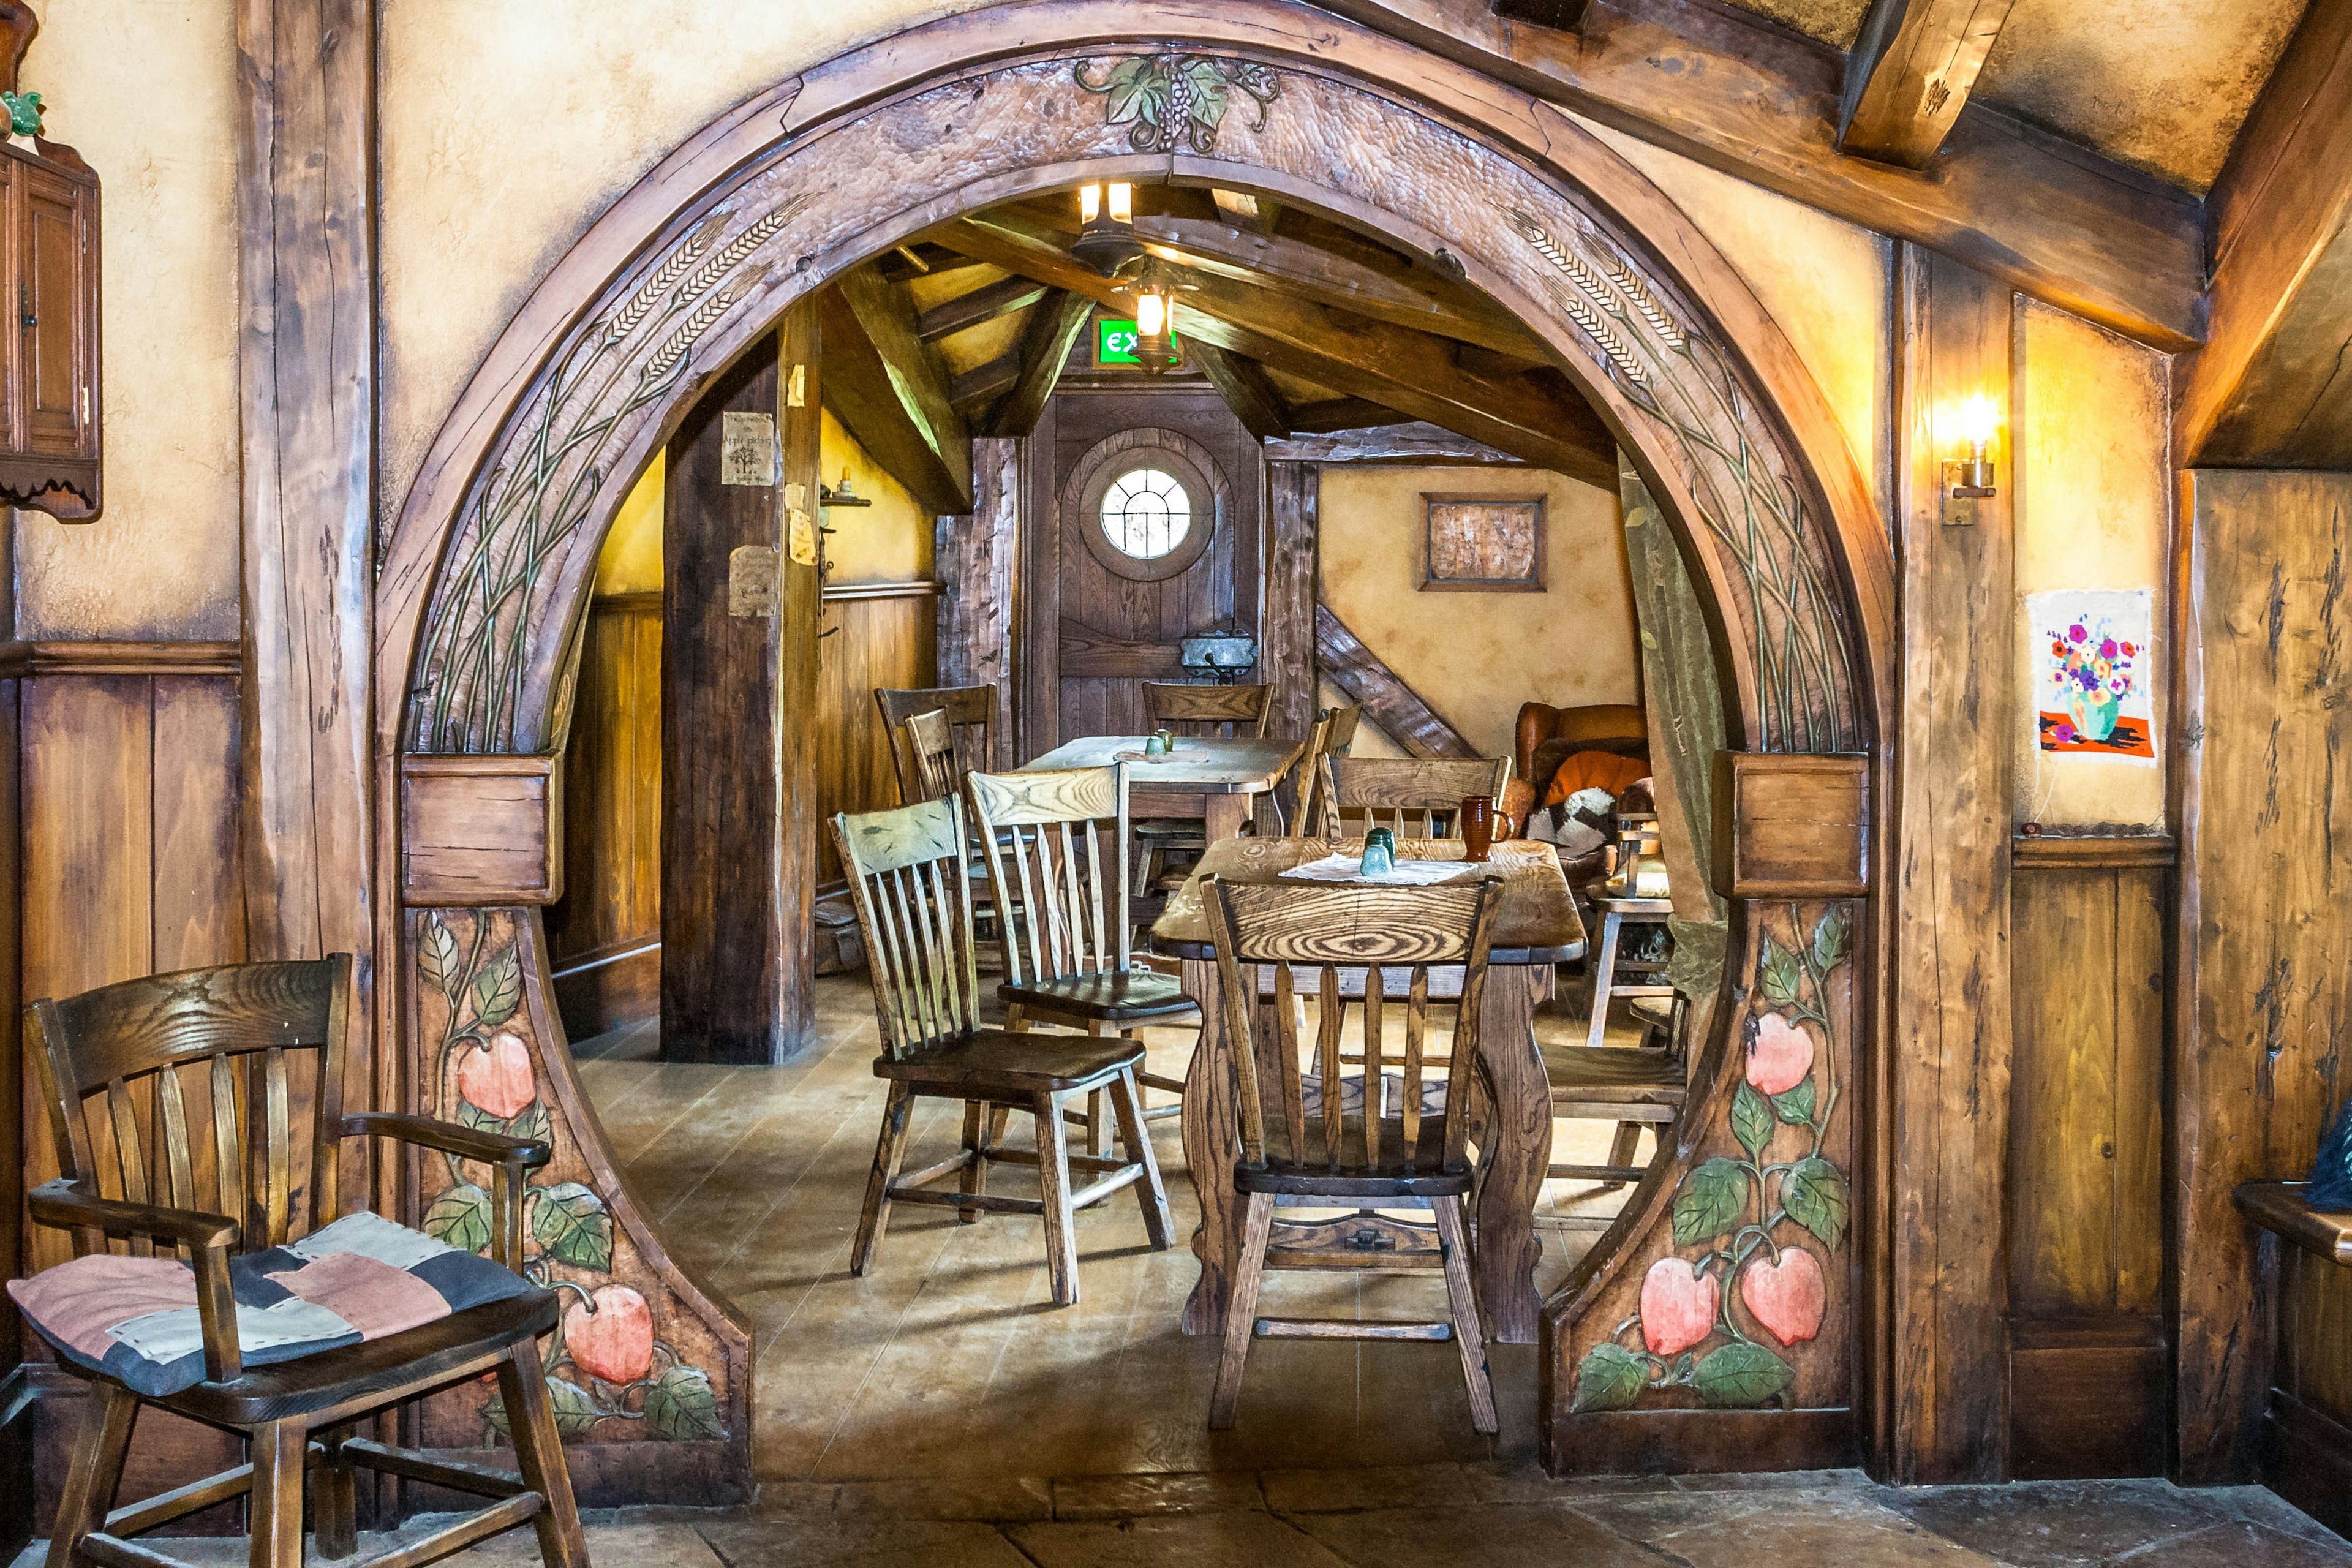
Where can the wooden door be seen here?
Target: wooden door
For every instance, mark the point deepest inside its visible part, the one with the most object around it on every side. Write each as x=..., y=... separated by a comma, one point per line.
x=1105, y=617
x=56, y=361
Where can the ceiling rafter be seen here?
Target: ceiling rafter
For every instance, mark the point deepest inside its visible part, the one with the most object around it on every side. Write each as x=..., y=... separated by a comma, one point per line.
x=1910, y=74
x=884, y=382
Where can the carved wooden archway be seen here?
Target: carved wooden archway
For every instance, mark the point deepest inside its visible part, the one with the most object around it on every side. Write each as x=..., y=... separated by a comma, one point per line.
x=485, y=585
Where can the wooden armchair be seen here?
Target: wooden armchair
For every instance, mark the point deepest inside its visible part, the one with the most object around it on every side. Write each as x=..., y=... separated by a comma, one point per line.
x=1216, y=712
x=231, y=1178
x=1545, y=736
x=914, y=910
x=1414, y=797
x=1334, y=735
x=1316, y=1136
x=971, y=716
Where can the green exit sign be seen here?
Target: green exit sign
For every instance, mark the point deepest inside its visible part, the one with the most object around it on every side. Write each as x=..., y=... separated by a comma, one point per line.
x=1115, y=343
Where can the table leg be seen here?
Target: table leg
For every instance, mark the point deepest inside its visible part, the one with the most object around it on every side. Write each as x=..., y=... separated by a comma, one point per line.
x=1212, y=1144
x=1518, y=1155
x=1223, y=816
x=1604, y=971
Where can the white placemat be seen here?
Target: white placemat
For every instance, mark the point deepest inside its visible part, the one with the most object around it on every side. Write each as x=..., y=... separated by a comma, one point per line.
x=1351, y=868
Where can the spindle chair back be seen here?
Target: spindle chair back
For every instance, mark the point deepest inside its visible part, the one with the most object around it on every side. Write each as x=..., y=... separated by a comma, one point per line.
x=1334, y=735
x=1061, y=891
x=972, y=714
x=1219, y=711
x=931, y=740
x=914, y=901
x=1414, y=797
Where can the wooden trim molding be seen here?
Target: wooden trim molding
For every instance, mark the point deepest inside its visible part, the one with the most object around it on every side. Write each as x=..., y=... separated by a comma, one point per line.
x=2087, y=852
x=1414, y=445
x=1792, y=826
x=21, y=660
x=480, y=831
x=637, y=601
x=2278, y=1207
x=846, y=590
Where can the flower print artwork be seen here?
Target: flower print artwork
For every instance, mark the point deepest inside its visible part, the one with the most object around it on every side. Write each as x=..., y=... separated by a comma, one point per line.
x=2094, y=672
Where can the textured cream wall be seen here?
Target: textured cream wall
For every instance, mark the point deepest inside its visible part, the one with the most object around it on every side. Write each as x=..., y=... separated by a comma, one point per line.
x=2093, y=473
x=507, y=125
x=146, y=91
x=1474, y=658
x=1827, y=284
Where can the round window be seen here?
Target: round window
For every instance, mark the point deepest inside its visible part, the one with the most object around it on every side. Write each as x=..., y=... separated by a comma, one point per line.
x=1146, y=514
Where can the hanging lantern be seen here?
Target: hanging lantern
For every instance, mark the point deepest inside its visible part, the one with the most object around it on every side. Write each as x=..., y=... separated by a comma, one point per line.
x=1106, y=239
x=1155, y=325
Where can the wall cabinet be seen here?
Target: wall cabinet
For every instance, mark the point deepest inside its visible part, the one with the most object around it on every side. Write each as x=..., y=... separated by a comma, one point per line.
x=49, y=373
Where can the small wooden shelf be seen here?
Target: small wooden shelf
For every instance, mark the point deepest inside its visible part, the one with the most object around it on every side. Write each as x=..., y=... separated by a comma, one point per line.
x=2278, y=1207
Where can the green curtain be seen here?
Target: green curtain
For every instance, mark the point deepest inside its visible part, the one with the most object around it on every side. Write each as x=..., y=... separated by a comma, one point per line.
x=1684, y=705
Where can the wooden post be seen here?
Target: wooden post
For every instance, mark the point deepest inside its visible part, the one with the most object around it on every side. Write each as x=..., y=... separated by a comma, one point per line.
x=976, y=556
x=1287, y=625
x=1952, y=1024
x=799, y=606
x=721, y=870
x=306, y=360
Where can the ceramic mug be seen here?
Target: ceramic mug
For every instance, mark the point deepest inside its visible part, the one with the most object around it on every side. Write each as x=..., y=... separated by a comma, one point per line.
x=1160, y=744
x=1477, y=825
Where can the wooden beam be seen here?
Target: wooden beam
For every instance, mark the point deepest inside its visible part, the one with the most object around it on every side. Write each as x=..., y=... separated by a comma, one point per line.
x=919, y=260
x=1045, y=347
x=985, y=304
x=1247, y=390
x=305, y=190
x=1388, y=701
x=1402, y=296
x=1567, y=16
x=1537, y=419
x=1327, y=415
x=1910, y=74
x=975, y=558
x=1414, y=444
x=984, y=383
x=888, y=386
x=2270, y=388
x=1287, y=624
x=1761, y=103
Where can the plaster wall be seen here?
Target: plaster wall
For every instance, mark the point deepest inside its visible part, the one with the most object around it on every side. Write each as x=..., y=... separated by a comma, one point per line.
x=146, y=91
x=1474, y=658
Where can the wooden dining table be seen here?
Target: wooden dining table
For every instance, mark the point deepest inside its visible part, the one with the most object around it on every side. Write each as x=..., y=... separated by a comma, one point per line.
x=1218, y=781
x=1535, y=929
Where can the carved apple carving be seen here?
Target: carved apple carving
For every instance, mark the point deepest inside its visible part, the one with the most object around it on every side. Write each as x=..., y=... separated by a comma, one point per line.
x=1787, y=1294
x=497, y=1077
x=614, y=1342
x=1678, y=1306
x=1779, y=1055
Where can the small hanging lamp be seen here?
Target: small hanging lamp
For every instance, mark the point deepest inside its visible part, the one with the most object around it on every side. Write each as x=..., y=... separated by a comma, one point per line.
x=1155, y=323
x=1106, y=239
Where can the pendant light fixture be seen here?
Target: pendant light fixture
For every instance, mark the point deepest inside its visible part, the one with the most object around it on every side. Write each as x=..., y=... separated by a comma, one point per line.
x=1155, y=323
x=1106, y=239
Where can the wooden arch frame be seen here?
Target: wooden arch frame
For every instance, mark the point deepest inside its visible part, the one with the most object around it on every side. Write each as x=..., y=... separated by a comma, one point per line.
x=483, y=590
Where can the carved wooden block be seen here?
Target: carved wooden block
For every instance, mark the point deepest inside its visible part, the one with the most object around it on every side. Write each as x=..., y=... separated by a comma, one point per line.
x=1789, y=826
x=481, y=830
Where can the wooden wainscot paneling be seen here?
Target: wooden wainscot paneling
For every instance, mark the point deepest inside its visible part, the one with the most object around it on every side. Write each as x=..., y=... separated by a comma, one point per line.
x=604, y=937
x=1792, y=826
x=481, y=830
x=2306, y=1442
x=2090, y=1361
x=876, y=634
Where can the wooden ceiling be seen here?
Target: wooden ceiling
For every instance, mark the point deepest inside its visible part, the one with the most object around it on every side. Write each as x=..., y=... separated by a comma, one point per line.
x=1304, y=327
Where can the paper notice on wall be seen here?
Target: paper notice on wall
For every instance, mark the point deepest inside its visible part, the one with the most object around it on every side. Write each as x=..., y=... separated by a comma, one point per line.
x=748, y=452
x=2094, y=672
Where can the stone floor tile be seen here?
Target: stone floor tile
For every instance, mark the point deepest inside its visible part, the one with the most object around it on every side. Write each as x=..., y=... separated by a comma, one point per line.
x=1385, y=1485
x=2260, y=1505
x=1130, y=1497
x=982, y=1499
x=2055, y=1524
x=1775, y=1482
x=857, y=1540
x=1526, y=1481
x=1521, y=1535
x=1177, y=1540
x=2237, y=1544
x=638, y=1545
x=1835, y=1524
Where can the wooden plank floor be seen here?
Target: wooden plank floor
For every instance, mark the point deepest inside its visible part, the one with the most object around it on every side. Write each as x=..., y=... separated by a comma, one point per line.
x=948, y=1361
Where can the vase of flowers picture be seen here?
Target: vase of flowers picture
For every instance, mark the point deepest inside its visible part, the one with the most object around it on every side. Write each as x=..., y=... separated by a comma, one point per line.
x=2092, y=673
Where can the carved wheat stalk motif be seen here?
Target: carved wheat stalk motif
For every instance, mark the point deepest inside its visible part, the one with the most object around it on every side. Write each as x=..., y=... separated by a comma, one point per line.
x=1621, y=354
x=1645, y=302
x=628, y=318
x=741, y=246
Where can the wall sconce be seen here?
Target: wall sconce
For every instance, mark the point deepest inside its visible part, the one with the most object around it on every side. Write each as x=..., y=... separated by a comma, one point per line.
x=1973, y=477
x=1106, y=240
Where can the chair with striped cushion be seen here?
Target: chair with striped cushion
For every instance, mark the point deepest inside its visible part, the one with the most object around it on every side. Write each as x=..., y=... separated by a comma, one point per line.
x=178, y=1106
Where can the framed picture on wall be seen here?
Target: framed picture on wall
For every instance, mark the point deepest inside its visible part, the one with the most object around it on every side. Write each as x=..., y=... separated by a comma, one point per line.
x=1483, y=544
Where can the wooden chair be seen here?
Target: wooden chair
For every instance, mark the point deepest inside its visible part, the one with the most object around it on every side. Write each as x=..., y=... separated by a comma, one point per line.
x=1334, y=735
x=1068, y=953
x=971, y=712
x=1221, y=711
x=231, y=1180
x=931, y=740
x=913, y=909
x=1635, y=1087
x=1374, y=1140
x=1415, y=797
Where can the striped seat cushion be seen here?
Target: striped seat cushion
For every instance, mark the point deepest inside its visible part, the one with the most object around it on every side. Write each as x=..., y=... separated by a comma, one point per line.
x=362, y=1277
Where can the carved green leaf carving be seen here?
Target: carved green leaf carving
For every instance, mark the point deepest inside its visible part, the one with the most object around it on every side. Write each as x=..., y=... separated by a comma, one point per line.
x=681, y=1404
x=1830, y=936
x=1782, y=974
x=1710, y=1201
x=1751, y=1120
x=460, y=1217
x=1795, y=1106
x=497, y=989
x=437, y=957
x=1815, y=1196
x=572, y=1225
x=575, y=1407
x=1611, y=1377
x=1739, y=1376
